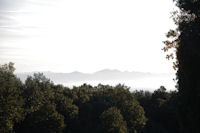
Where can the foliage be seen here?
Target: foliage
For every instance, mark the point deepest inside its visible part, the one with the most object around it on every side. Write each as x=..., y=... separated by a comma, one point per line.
x=11, y=102
x=112, y=121
x=160, y=108
x=187, y=38
x=38, y=105
x=44, y=120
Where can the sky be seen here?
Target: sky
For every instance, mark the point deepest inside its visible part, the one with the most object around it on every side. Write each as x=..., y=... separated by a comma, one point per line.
x=85, y=35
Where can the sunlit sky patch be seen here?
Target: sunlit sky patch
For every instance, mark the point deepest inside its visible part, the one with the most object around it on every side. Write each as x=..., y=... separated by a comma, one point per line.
x=85, y=35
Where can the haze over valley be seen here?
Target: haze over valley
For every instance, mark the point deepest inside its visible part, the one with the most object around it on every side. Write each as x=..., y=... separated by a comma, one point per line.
x=134, y=79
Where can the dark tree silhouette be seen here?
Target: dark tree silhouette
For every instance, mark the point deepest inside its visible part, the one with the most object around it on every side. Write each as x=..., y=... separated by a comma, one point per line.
x=186, y=42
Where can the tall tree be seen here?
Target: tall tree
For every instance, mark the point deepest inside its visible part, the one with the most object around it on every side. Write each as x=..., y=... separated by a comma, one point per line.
x=186, y=42
x=11, y=102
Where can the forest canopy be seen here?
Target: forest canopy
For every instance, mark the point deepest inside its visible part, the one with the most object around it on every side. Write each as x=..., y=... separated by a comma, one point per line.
x=39, y=105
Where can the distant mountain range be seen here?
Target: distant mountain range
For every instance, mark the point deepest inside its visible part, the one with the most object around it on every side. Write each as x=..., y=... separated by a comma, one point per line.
x=103, y=75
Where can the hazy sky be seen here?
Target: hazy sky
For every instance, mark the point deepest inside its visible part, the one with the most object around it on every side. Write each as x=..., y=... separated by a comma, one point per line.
x=85, y=35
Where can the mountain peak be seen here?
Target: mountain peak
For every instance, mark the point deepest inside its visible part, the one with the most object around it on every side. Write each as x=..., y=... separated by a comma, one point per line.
x=108, y=71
